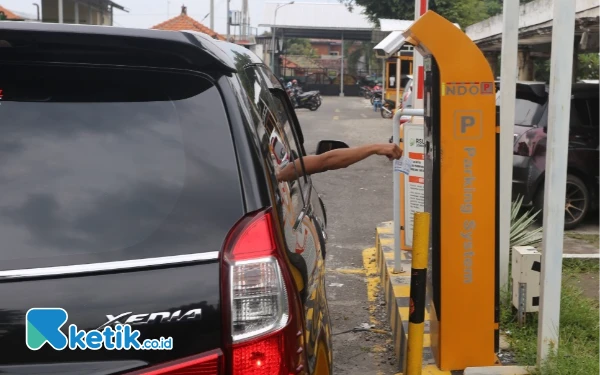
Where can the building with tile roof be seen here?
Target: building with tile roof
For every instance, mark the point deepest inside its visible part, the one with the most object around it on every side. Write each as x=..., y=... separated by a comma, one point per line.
x=80, y=12
x=10, y=16
x=185, y=22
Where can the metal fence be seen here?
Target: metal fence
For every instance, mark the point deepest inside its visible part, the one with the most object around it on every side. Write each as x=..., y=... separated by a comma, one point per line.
x=327, y=80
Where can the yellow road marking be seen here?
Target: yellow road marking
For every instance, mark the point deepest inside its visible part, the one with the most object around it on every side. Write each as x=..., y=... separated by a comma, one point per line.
x=434, y=370
x=348, y=271
x=336, y=117
x=431, y=370
x=372, y=281
x=337, y=111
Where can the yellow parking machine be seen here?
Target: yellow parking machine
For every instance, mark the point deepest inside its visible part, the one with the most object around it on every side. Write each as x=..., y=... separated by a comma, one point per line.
x=461, y=165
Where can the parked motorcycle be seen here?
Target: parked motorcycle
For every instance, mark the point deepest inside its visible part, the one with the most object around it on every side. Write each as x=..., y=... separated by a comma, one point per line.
x=315, y=92
x=365, y=91
x=310, y=100
x=376, y=95
x=387, y=108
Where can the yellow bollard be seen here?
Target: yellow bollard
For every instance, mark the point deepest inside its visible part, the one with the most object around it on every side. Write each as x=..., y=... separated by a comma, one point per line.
x=418, y=281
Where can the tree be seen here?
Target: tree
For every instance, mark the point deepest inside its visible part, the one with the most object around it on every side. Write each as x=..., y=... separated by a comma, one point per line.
x=363, y=49
x=588, y=66
x=376, y=9
x=241, y=61
x=541, y=70
x=298, y=46
x=463, y=12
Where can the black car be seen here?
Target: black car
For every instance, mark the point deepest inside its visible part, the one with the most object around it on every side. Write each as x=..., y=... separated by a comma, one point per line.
x=529, y=159
x=138, y=178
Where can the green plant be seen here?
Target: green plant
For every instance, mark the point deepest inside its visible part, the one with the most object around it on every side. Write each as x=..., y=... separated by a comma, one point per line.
x=299, y=46
x=579, y=333
x=588, y=66
x=520, y=233
x=577, y=266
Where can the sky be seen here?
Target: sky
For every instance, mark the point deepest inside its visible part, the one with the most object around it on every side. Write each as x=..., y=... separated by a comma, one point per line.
x=147, y=13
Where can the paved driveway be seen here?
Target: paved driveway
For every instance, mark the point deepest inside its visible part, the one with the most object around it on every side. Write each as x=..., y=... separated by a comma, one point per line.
x=357, y=199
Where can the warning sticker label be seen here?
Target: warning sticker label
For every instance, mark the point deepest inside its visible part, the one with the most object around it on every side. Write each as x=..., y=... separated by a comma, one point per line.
x=414, y=185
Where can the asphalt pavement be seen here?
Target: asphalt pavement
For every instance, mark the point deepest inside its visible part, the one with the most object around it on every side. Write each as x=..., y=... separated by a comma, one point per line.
x=357, y=199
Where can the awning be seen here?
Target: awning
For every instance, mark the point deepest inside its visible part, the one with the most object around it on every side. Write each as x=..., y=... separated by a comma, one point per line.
x=322, y=21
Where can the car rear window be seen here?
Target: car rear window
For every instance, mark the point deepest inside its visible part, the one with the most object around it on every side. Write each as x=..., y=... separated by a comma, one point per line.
x=529, y=108
x=101, y=164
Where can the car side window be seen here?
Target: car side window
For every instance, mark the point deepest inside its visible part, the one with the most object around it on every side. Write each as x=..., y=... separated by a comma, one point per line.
x=526, y=112
x=281, y=148
x=580, y=113
x=284, y=113
x=286, y=124
x=594, y=107
x=544, y=119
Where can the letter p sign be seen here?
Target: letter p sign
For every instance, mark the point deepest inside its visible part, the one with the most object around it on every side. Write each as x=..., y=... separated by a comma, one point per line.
x=467, y=125
x=466, y=122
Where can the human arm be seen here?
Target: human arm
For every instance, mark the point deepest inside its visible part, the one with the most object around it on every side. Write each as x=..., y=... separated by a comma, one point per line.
x=337, y=159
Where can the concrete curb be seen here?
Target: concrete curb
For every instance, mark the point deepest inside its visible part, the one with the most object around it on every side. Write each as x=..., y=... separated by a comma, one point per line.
x=497, y=370
x=396, y=289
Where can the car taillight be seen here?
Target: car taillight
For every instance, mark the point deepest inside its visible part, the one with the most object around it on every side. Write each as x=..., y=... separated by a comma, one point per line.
x=261, y=310
x=204, y=364
x=259, y=301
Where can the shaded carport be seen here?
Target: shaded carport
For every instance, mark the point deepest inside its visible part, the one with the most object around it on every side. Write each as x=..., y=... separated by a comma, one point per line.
x=318, y=21
x=535, y=34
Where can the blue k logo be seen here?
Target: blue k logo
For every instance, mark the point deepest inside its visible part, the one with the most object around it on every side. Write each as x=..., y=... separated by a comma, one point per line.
x=43, y=325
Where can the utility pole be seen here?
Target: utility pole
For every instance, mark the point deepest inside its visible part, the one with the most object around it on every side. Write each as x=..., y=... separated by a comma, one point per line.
x=212, y=14
x=228, y=21
x=245, y=25
x=38, y=10
x=273, y=32
x=60, y=11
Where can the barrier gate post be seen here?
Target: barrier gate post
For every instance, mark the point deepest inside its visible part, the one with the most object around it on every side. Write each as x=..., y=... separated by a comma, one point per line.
x=418, y=281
